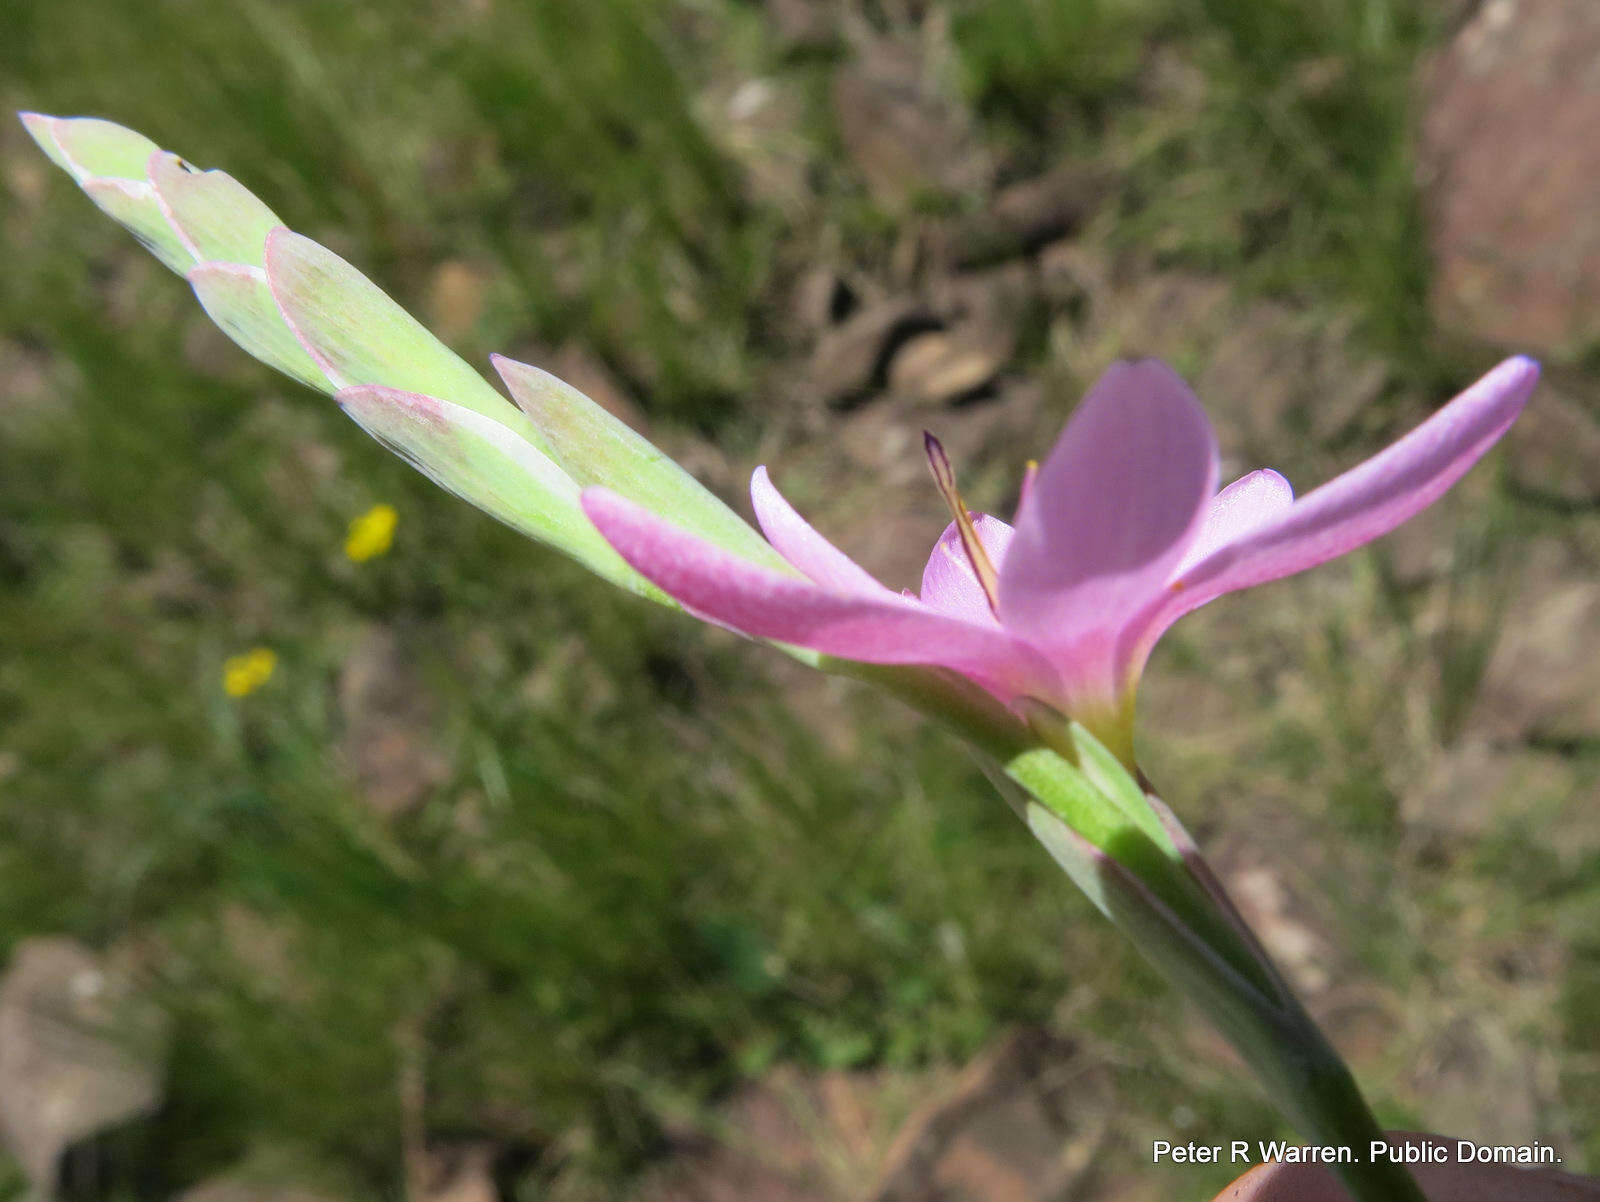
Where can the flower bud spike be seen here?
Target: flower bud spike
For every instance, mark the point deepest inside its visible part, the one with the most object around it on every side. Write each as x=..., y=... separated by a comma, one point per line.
x=945, y=478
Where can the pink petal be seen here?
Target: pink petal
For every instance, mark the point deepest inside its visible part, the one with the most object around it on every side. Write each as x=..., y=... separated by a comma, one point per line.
x=1375, y=497
x=1246, y=505
x=879, y=628
x=1112, y=509
x=798, y=542
x=949, y=584
x=1352, y=509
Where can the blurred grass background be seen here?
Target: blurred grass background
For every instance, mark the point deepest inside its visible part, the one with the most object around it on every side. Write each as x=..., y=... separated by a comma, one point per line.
x=599, y=872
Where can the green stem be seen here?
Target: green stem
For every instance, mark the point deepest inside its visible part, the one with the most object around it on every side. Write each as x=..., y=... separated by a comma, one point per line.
x=1311, y=1084
x=1165, y=897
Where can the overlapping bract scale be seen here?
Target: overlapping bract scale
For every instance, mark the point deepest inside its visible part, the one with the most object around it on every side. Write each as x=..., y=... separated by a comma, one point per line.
x=303, y=310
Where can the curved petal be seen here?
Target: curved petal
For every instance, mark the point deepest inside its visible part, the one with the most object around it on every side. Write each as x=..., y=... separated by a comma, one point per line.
x=1246, y=505
x=1112, y=509
x=883, y=627
x=1352, y=509
x=798, y=542
x=949, y=584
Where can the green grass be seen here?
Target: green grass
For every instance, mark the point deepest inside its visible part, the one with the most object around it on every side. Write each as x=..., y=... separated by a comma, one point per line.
x=1271, y=141
x=640, y=879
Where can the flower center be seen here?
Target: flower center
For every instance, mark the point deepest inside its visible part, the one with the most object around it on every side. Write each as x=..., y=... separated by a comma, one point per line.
x=945, y=478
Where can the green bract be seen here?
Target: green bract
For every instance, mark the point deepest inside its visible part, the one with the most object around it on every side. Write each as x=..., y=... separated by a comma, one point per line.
x=303, y=310
x=596, y=447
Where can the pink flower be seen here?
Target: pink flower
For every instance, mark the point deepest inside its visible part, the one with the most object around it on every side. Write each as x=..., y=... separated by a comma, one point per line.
x=1119, y=534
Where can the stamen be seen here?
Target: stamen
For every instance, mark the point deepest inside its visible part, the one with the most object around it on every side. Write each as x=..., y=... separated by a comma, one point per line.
x=945, y=479
x=1029, y=474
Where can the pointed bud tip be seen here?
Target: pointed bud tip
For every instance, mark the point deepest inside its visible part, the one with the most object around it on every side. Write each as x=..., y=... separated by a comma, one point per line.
x=41, y=128
x=277, y=239
x=938, y=462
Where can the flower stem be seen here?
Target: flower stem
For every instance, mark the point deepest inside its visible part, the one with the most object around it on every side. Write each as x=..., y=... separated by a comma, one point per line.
x=1144, y=871
x=1261, y=1016
x=1314, y=1087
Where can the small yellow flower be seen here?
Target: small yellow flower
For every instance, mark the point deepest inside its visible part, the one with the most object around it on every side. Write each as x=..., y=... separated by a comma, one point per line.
x=372, y=533
x=244, y=674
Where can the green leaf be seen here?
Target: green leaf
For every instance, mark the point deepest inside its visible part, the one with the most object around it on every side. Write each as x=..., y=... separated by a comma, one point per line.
x=134, y=206
x=87, y=147
x=596, y=447
x=109, y=163
x=218, y=216
x=1111, y=778
x=236, y=297
x=358, y=335
x=491, y=467
x=1066, y=792
x=1101, y=821
x=1253, y=1017
x=41, y=129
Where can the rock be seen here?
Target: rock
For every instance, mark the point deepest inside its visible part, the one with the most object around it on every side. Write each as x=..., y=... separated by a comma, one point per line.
x=942, y=366
x=852, y=358
x=80, y=1051
x=997, y=296
x=822, y=297
x=1022, y=218
x=983, y=312
x=1022, y=1124
x=905, y=132
x=1553, y=452
x=1509, y=160
x=389, y=725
